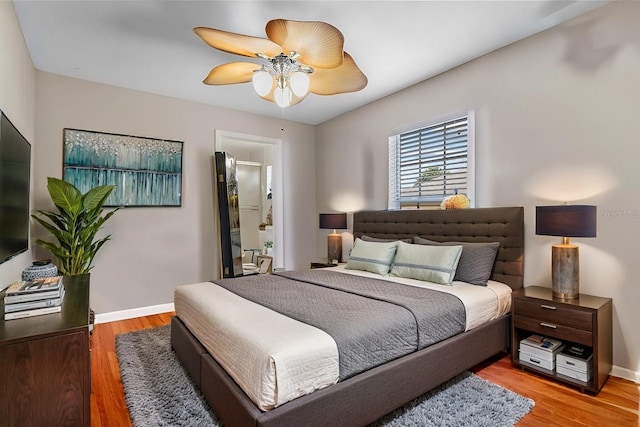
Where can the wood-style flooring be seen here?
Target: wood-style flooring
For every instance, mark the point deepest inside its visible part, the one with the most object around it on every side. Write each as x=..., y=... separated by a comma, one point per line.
x=617, y=404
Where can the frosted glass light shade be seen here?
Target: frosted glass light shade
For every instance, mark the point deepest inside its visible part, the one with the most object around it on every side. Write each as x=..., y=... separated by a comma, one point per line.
x=299, y=82
x=262, y=82
x=283, y=97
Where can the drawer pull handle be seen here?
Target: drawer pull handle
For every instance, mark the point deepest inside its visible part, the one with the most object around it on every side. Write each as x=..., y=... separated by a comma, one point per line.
x=547, y=325
x=569, y=363
x=548, y=307
x=531, y=359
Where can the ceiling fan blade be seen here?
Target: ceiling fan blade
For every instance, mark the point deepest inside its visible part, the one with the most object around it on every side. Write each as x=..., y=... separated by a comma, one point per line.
x=231, y=73
x=345, y=78
x=238, y=44
x=318, y=43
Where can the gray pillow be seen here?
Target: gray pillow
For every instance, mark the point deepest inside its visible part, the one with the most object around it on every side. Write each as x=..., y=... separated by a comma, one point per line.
x=366, y=238
x=476, y=262
x=375, y=257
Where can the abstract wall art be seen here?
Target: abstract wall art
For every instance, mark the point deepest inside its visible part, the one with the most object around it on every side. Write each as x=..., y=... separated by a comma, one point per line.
x=145, y=171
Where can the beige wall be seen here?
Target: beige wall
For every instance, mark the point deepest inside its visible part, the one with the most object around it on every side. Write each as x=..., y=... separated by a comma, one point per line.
x=17, y=97
x=556, y=120
x=155, y=249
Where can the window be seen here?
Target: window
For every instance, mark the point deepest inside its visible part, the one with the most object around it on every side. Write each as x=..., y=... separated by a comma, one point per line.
x=430, y=162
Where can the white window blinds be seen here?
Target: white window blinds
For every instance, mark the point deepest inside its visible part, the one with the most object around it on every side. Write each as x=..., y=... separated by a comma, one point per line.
x=431, y=162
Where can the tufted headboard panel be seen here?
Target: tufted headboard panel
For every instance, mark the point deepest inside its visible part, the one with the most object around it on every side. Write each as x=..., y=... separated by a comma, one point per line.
x=504, y=225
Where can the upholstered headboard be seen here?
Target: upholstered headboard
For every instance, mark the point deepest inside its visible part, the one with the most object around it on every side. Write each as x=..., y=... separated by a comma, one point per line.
x=503, y=225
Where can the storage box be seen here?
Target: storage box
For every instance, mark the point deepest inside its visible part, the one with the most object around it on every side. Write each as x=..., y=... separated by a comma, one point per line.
x=575, y=361
x=541, y=348
x=539, y=362
x=572, y=373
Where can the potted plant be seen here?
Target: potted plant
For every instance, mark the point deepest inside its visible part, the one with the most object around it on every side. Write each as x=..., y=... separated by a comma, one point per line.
x=74, y=225
x=268, y=247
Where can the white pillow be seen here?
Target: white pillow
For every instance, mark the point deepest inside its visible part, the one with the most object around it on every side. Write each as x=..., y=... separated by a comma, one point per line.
x=435, y=264
x=375, y=257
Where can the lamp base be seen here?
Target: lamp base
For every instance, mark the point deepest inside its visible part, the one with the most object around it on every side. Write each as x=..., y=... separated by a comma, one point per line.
x=334, y=247
x=565, y=271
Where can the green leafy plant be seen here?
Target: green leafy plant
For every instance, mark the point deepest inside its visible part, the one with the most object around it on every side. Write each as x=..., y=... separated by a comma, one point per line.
x=75, y=225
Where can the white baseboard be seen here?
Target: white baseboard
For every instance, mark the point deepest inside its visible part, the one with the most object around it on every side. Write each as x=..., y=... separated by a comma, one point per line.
x=627, y=374
x=134, y=312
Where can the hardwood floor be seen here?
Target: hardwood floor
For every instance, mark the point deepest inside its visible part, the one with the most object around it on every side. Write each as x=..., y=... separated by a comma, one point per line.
x=108, y=407
x=556, y=405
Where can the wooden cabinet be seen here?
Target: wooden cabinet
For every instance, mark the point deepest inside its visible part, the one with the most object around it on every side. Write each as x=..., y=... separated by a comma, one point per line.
x=586, y=321
x=44, y=363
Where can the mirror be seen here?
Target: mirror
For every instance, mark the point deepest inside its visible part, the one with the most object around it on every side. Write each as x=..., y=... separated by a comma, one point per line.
x=229, y=212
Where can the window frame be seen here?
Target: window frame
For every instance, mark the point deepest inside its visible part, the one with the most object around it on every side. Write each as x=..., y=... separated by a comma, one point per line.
x=394, y=200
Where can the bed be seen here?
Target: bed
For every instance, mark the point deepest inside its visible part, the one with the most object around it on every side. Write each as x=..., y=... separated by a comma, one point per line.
x=362, y=398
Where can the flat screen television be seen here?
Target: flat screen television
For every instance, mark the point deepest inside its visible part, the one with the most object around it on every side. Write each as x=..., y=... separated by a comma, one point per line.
x=15, y=172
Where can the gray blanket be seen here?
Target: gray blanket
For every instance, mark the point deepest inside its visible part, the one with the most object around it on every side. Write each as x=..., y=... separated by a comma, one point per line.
x=372, y=321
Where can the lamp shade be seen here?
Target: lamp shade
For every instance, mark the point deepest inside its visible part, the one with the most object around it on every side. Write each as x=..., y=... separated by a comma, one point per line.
x=262, y=82
x=282, y=97
x=299, y=82
x=333, y=221
x=566, y=220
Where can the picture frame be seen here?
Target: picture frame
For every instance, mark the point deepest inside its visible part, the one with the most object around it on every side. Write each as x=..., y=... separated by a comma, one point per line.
x=146, y=172
x=265, y=264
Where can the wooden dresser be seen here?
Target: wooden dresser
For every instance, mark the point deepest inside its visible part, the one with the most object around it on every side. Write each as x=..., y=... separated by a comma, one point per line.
x=45, y=370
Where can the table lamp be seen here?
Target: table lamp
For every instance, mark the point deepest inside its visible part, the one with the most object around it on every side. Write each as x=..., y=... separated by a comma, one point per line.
x=565, y=221
x=334, y=240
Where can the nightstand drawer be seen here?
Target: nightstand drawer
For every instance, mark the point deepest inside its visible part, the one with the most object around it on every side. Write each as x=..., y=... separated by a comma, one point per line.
x=554, y=314
x=548, y=328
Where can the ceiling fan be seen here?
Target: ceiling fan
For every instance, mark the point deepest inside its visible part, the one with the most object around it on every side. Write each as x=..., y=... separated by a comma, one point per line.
x=299, y=57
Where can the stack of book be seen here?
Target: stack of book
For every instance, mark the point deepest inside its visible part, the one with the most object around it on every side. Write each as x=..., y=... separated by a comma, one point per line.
x=33, y=298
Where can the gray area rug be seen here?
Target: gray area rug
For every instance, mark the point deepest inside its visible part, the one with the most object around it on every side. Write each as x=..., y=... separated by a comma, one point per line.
x=159, y=392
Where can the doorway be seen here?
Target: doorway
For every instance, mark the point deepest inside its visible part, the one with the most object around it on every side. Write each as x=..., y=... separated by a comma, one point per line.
x=254, y=153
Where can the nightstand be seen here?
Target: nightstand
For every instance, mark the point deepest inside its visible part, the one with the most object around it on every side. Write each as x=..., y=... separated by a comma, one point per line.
x=322, y=265
x=586, y=321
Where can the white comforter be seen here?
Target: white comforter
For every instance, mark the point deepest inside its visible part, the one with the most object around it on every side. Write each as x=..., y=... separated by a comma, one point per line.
x=274, y=358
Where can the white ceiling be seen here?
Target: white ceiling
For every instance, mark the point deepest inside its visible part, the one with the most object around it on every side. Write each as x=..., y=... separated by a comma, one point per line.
x=149, y=45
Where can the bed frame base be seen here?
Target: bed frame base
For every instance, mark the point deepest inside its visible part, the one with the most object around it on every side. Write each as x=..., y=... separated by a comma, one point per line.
x=356, y=401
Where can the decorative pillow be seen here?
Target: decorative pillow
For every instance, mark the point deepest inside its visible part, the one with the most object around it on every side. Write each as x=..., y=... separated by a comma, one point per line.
x=476, y=262
x=366, y=238
x=375, y=257
x=435, y=264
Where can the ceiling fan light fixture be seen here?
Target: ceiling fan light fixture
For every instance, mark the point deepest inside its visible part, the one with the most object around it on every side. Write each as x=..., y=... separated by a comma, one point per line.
x=262, y=82
x=299, y=82
x=315, y=63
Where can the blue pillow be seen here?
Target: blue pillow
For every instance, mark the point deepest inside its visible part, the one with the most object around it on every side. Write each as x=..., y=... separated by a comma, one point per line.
x=375, y=257
x=435, y=264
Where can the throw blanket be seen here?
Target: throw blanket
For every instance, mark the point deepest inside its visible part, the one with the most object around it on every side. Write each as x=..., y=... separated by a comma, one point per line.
x=372, y=321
